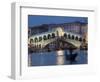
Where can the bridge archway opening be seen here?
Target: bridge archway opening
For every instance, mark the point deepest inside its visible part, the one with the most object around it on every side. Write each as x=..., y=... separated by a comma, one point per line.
x=60, y=31
x=44, y=37
x=73, y=37
x=31, y=41
x=40, y=39
x=53, y=35
x=76, y=38
x=49, y=36
x=69, y=36
x=36, y=39
x=65, y=35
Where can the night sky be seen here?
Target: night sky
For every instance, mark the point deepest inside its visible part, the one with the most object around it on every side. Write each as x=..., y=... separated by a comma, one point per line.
x=35, y=20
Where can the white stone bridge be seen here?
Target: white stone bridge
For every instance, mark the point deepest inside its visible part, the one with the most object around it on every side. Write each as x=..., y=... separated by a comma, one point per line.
x=43, y=39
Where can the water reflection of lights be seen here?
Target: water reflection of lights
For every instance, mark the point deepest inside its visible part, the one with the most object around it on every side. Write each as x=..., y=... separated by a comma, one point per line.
x=60, y=57
x=60, y=52
x=60, y=60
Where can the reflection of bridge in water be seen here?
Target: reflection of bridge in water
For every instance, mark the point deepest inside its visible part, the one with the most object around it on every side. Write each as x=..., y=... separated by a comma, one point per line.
x=57, y=38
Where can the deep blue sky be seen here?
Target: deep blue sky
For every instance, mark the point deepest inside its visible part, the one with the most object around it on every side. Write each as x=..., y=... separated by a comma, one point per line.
x=34, y=20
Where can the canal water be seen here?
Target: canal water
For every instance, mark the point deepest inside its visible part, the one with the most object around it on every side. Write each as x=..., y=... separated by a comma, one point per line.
x=57, y=58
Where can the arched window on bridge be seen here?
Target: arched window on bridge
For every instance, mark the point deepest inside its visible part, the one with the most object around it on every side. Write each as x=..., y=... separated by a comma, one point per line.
x=76, y=38
x=80, y=39
x=40, y=39
x=31, y=41
x=49, y=36
x=44, y=37
x=53, y=35
x=73, y=37
x=69, y=37
x=36, y=39
x=65, y=35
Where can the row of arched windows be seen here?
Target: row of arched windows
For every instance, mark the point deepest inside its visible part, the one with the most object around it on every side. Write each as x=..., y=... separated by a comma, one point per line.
x=49, y=36
x=45, y=37
x=72, y=37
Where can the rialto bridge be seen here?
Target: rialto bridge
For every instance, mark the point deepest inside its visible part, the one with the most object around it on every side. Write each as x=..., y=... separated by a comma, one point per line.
x=55, y=36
